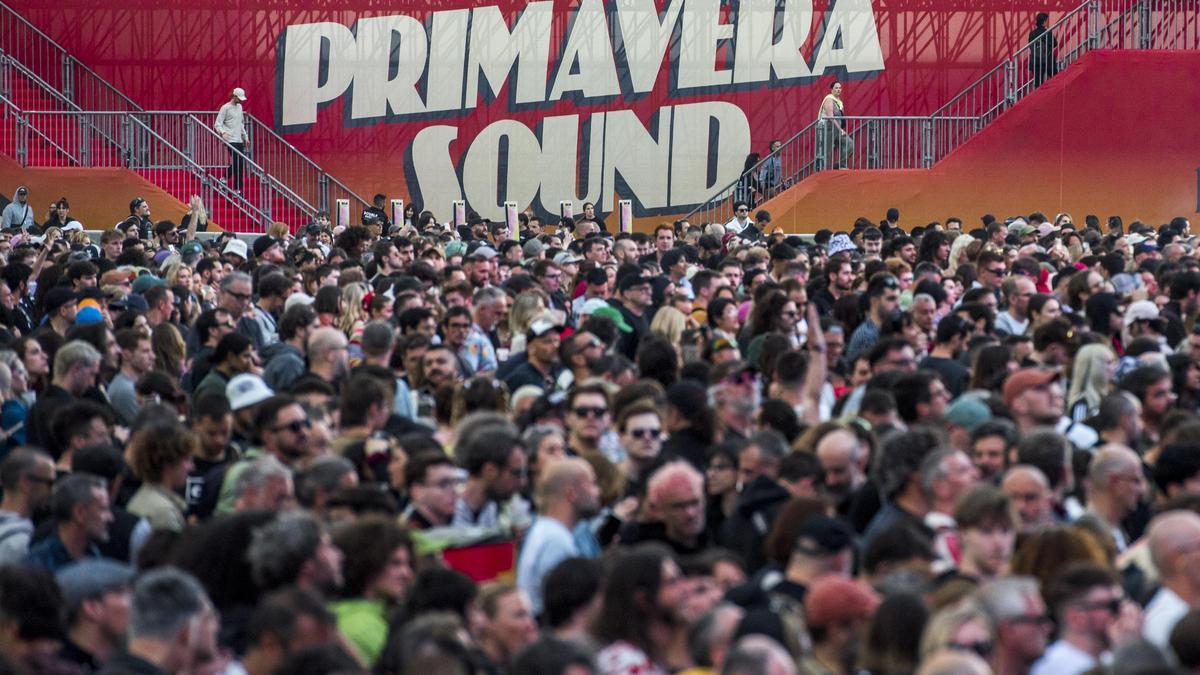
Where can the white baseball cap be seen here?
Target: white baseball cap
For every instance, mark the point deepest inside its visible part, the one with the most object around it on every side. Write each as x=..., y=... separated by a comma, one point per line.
x=238, y=248
x=240, y=93
x=245, y=390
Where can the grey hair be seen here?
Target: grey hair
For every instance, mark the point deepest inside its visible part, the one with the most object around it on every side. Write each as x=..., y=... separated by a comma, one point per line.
x=230, y=279
x=1004, y=598
x=903, y=454
x=932, y=469
x=324, y=473
x=164, y=600
x=486, y=295
x=281, y=547
x=924, y=297
x=535, y=434
x=771, y=445
x=77, y=489
x=258, y=473
x=74, y=353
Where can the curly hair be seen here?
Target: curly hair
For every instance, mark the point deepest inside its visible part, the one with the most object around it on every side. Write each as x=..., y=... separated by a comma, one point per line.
x=159, y=447
x=372, y=540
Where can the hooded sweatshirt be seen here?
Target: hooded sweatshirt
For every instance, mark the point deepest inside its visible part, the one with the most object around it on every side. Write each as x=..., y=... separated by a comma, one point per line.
x=284, y=365
x=17, y=214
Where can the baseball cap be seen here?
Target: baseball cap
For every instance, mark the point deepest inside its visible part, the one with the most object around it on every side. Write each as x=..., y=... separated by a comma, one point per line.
x=193, y=247
x=834, y=599
x=565, y=258
x=145, y=282
x=239, y=93
x=533, y=248
x=1025, y=379
x=245, y=390
x=613, y=314
x=455, y=248
x=540, y=326
x=22, y=190
x=237, y=247
x=313, y=229
x=1142, y=310
x=822, y=535
x=486, y=252
x=91, y=578
x=968, y=412
x=59, y=296
x=263, y=243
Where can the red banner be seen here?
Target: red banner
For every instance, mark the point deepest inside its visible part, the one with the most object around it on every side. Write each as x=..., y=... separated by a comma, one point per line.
x=657, y=101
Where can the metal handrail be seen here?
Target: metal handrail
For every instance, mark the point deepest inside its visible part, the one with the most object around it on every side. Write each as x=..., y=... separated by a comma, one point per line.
x=68, y=61
x=947, y=129
x=272, y=180
x=197, y=171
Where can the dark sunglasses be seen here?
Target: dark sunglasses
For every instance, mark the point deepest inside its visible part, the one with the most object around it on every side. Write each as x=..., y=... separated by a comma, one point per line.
x=982, y=647
x=295, y=427
x=592, y=411
x=645, y=433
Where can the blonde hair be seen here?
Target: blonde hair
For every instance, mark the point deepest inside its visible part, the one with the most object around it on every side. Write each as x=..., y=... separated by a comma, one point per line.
x=525, y=306
x=352, y=307
x=278, y=230
x=1090, y=376
x=939, y=632
x=670, y=323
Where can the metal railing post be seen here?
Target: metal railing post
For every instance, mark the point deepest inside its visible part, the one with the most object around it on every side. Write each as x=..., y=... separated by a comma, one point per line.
x=873, y=144
x=5, y=76
x=927, y=143
x=1093, y=24
x=190, y=137
x=1144, y=27
x=68, y=77
x=323, y=193
x=1010, y=82
x=85, y=141
x=130, y=141
x=22, y=142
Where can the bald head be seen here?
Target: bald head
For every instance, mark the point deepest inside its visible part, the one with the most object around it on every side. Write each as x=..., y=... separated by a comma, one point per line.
x=1112, y=460
x=560, y=476
x=324, y=340
x=1171, y=534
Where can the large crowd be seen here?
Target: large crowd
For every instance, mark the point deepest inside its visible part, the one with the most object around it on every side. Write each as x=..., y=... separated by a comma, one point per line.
x=416, y=448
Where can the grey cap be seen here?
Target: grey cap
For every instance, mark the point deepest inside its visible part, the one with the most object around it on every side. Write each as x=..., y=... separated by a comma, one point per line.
x=533, y=248
x=91, y=578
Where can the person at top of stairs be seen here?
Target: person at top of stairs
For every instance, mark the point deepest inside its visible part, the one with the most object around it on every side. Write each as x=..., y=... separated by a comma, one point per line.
x=231, y=125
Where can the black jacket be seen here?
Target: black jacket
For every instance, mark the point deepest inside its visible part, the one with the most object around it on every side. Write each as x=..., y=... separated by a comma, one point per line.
x=745, y=532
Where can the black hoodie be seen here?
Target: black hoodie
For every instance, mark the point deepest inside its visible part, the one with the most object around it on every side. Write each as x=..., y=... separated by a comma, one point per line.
x=745, y=531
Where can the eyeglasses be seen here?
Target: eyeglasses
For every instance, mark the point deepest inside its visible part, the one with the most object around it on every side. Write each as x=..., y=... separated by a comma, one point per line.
x=743, y=210
x=243, y=297
x=645, y=433
x=1111, y=606
x=592, y=411
x=459, y=326
x=982, y=647
x=998, y=271
x=295, y=427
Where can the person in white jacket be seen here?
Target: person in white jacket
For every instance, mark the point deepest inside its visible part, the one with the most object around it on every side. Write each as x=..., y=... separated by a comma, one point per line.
x=231, y=126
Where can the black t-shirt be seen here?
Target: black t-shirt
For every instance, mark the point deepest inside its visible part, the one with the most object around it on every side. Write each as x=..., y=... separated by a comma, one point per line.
x=201, y=470
x=954, y=374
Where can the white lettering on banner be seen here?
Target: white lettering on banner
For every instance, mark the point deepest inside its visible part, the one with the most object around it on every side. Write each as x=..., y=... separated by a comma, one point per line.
x=399, y=68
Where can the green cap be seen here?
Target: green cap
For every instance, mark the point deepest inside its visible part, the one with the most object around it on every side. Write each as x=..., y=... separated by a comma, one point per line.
x=613, y=314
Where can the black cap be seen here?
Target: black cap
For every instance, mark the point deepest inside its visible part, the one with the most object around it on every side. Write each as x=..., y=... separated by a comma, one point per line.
x=822, y=535
x=782, y=251
x=688, y=396
x=313, y=229
x=57, y=297
x=263, y=243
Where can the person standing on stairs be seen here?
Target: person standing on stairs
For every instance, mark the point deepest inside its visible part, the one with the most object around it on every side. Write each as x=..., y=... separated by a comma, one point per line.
x=231, y=126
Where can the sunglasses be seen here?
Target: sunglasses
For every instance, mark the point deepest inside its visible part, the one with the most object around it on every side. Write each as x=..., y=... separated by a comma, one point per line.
x=982, y=647
x=294, y=427
x=590, y=411
x=650, y=434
